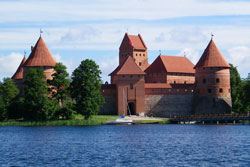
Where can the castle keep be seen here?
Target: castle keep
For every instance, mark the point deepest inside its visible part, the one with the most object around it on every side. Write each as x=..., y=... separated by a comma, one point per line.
x=170, y=86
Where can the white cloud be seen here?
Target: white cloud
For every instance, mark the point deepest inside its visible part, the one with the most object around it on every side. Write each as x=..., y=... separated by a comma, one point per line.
x=191, y=54
x=9, y=64
x=107, y=66
x=240, y=56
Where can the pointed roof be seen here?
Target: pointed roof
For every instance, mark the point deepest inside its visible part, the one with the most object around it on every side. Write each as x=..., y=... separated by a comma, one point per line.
x=19, y=72
x=128, y=67
x=132, y=42
x=212, y=57
x=40, y=55
x=176, y=64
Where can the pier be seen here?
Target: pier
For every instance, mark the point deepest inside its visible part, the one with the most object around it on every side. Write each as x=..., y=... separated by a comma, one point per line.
x=211, y=119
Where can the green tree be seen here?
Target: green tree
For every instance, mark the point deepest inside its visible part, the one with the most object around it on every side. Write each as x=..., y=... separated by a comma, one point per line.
x=59, y=85
x=237, y=92
x=3, y=109
x=85, y=88
x=36, y=102
x=8, y=91
x=247, y=93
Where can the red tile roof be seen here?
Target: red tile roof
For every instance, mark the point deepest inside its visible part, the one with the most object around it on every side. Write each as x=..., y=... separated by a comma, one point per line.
x=212, y=57
x=128, y=67
x=19, y=72
x=175, y=64
x=40, y=55
x=132, y=42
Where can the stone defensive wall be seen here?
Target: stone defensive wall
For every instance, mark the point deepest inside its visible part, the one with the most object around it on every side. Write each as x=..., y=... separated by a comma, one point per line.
x=165, y=100
x=109, y=93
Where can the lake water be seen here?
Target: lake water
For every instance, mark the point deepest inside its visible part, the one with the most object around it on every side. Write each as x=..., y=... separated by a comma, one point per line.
x=143, y=145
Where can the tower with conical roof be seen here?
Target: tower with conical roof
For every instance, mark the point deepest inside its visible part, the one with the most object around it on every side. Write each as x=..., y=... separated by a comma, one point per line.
x=40, y=56
x=18, y=76
x=212, y=76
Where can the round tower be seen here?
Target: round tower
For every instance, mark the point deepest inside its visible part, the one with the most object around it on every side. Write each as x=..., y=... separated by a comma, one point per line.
x=212, y=77
x=40, y=56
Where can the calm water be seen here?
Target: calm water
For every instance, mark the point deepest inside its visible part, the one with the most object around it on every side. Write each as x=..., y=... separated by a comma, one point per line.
x=147, y=145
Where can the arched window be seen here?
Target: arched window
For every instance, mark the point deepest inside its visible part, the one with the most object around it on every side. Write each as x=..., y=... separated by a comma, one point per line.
x=209, y=90
x=217, y=80
x=204, y=81
x=221, y=90
x=131, y=86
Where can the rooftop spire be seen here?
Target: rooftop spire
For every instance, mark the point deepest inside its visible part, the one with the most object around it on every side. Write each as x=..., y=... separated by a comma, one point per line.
x=41, y=32
x=212, y=35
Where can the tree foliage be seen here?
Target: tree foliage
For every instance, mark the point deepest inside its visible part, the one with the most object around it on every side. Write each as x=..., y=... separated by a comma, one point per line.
x=236, y=90
x=60, y=83
x=85, y=88
x=36, y=102
x=8, y=91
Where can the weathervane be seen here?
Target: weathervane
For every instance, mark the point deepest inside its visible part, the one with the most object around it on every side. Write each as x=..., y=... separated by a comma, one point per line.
x=41, y=32
x=212, y=35
x=24, y=53
x=184, y=54
x=160, y=52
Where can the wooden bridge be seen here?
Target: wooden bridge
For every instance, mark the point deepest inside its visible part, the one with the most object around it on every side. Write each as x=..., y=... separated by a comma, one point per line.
x=211, y=119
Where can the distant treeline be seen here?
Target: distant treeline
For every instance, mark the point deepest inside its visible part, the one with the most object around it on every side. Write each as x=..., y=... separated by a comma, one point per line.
x=55, y=99
x=240, y=91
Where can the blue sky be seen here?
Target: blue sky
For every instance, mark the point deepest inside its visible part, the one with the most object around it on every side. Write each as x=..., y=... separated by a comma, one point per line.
x=79, y=29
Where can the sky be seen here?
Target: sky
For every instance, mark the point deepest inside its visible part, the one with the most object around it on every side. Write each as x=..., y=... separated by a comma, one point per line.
x=79, y=29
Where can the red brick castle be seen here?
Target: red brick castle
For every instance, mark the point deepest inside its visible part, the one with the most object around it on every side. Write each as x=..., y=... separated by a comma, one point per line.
x=171, y=85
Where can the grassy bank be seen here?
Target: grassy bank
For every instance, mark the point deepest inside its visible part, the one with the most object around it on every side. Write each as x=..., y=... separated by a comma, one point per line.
x=77, y=121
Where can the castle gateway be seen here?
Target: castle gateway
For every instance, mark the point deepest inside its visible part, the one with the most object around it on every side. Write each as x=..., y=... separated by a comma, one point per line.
x=170, y=86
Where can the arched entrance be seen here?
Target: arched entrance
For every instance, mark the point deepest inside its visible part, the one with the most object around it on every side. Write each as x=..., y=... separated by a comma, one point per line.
x=131, y=107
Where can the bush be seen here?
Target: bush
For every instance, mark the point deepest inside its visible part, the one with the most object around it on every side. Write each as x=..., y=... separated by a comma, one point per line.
x=65, y=112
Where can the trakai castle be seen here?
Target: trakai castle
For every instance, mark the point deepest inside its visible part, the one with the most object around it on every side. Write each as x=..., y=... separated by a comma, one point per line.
x=171, y=85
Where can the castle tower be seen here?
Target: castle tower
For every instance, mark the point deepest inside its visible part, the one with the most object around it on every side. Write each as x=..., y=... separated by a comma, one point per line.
x=40, y=57
x=129, y=81
x=18, y=76
x=134, y=46
x=212, y=76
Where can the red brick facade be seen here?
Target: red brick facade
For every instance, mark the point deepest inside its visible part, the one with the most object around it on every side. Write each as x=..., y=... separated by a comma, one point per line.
x=167, y=75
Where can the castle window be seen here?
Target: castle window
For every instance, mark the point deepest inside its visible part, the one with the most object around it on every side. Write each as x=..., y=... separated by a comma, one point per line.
x=140, y=54
x=174, y=82
x=221, y=90
x=217, y=80
x=209, y=90
x=144, y=55
x=139, y=63
x=136, y=54
x=185, y=82
x=131, y=86
x=204, y=80
x=131, y=76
